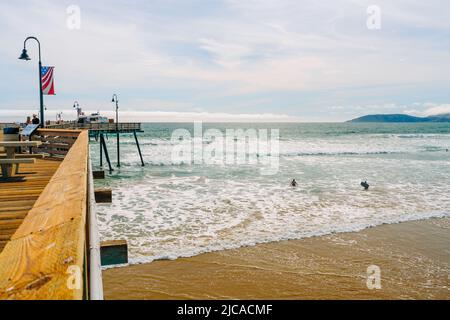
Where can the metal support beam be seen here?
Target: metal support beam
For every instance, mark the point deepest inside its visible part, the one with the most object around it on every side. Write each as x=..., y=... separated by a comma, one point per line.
x=118, y=150
x=101, y=154
x=139, y=148
x=103, y=143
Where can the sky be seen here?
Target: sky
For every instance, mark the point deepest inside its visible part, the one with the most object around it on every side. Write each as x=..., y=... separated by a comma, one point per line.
x=228, y=60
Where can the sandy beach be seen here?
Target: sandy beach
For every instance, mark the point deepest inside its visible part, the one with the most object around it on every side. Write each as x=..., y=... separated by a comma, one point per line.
x=414, y=259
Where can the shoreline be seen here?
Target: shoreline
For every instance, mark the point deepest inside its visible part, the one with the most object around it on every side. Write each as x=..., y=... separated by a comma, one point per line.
x=414, y=259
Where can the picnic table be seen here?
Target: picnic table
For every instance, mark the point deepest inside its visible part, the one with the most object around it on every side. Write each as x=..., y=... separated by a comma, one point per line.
x=14, y=159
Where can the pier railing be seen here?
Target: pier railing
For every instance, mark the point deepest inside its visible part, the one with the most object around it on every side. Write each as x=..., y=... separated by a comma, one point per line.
x=54, y=253
x=55, y=142
x=105, y=127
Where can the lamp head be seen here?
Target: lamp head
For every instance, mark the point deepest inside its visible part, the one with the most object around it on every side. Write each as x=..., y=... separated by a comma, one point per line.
x=24, y=55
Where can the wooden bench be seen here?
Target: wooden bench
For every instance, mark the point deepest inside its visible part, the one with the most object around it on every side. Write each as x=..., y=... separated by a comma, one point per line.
x=11, y=156
x=7, y=165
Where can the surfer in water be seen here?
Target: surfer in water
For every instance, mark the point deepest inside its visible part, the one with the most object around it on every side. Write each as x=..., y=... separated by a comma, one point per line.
x=294, y=183
x=365, y=185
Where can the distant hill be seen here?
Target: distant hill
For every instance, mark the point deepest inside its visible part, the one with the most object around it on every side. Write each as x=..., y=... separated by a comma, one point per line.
x=402, y=118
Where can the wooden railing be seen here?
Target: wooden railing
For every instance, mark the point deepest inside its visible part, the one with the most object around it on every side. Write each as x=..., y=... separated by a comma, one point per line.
x=55, y=142
x=45, y=258
x=122, y=126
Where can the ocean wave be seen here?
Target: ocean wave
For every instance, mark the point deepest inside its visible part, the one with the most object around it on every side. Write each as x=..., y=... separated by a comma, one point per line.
x=168, y=210
x=344, y=153
x=142, y=259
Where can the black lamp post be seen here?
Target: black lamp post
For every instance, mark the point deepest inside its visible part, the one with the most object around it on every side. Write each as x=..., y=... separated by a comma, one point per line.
x=24, y=56
x=115, y=99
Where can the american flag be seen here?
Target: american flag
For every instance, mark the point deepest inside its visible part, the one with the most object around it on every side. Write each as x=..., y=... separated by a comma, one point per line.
x=47, y=80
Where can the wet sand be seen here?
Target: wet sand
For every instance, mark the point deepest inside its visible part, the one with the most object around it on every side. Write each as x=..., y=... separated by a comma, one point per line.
x=414, y=259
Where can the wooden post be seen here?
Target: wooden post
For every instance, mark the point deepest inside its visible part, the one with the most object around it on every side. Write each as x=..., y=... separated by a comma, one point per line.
x=103, y=195
x=98, y=175
x=139, y=148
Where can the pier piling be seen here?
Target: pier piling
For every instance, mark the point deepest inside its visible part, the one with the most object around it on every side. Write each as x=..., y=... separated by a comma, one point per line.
x=103, y=195
x=139, y=148
x=103, y=143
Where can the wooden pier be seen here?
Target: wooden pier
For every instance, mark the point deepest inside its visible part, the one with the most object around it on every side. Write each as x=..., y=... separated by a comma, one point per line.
x=48, y=235
x=99, y=130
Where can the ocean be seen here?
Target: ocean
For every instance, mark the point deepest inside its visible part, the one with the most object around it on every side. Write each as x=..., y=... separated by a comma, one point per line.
x=170, y=209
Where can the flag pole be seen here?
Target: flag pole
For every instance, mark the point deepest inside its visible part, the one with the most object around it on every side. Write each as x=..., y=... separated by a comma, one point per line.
x=42, y=123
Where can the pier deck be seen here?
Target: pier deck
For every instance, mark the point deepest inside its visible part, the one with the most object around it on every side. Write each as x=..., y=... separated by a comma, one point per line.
x=19, y=193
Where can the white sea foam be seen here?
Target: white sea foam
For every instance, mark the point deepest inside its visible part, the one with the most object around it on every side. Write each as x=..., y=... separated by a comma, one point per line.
x=168, y=211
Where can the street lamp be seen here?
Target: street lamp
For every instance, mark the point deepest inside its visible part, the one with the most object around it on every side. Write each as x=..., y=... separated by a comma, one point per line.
x=115, y=99
x=26, y=57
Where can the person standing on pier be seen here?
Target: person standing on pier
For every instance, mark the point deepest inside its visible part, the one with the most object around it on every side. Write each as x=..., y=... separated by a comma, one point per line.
x=35, y=119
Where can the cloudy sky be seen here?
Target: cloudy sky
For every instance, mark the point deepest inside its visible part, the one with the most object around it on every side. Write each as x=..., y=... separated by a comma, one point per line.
x=256, y=60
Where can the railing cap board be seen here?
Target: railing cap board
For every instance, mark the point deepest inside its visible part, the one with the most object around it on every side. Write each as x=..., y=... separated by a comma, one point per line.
x=59, y=131
x=51, y=240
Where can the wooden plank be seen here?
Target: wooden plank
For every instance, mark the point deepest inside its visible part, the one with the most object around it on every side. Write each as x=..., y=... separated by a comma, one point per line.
x=50, y=242
x=10, y=224
x=5, y=237
x=24, y=155
x=50, y=151
x=58, y=133
x=68, y=140
x=7, y=204
x=16, y=161
x=56, y=144
x=17, y=144
x=17, y=214
x=41, y=269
